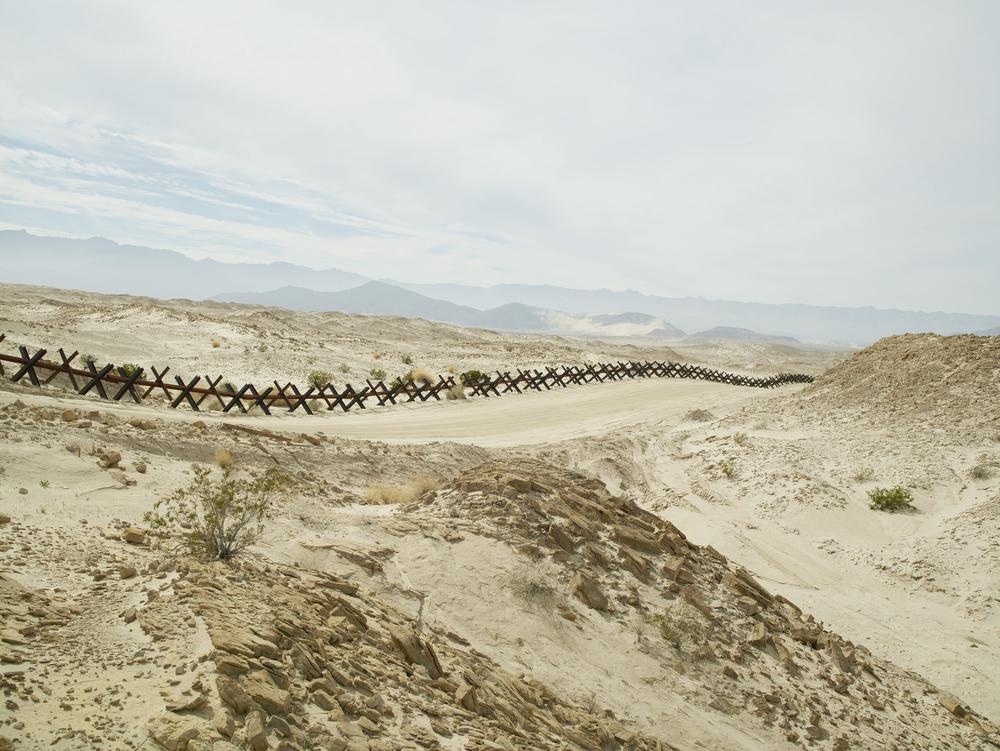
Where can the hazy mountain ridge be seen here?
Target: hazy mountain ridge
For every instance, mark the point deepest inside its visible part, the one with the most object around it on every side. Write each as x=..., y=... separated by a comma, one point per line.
x=379, y=298
x=102, y=265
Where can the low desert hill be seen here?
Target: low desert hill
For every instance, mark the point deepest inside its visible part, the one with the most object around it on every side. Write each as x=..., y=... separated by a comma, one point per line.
x=948, y=381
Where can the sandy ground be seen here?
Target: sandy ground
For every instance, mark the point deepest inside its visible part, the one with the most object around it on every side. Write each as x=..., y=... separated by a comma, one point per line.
x=107, y=644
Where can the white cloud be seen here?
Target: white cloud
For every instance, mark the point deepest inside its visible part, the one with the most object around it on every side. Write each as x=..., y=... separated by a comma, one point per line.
x=845, y=155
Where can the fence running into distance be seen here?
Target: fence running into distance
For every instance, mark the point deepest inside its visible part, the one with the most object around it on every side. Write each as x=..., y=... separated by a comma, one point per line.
x=114, y=383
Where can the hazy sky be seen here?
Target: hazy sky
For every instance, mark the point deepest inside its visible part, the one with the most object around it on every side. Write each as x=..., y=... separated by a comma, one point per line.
x=841, y=153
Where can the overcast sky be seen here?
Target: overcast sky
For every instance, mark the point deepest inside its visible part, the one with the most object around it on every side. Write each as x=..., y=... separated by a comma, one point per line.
x=834, y=153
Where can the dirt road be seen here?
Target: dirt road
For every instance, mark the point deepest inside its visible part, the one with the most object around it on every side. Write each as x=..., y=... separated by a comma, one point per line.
x=510, y=420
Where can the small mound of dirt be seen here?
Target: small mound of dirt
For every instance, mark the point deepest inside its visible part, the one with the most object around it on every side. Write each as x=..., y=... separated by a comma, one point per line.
x=955, y=378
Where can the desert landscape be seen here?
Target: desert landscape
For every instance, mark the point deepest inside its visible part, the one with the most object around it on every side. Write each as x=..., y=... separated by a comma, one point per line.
x=457, y=376
x=639, y=564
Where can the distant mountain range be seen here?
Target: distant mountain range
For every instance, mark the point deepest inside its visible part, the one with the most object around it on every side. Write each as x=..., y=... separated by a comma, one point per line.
x=379, y=298
x=101, y=265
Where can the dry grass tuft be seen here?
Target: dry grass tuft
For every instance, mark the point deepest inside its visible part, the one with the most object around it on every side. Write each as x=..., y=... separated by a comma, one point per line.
x=421, y=374
x=224, y=458
x=537, y=583
x=216, y=344
x=455, y=392
x=865, y=474
x=406, y=493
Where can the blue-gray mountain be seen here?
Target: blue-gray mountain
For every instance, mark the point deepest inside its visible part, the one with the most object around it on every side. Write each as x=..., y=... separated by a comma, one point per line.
x=101, y=265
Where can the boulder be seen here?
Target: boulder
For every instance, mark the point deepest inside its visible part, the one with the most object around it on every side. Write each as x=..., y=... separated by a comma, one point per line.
x=134, y=535
x=255, y=730
x=173, y=732
x=952, y=704
x=259, y=687
x=586, y=590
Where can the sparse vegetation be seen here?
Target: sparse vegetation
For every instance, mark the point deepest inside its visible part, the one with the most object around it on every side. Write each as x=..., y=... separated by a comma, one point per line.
x=681, y=626
x=229, y=388
x=890, y=499
x=376, y=355
x=405, y=493
x=471, y=377
x=344, y=368
x=455, y=391
x=865, y=474
x=699, y=415
x=88, y=359
x=217, y=518
x=537, y=583
x=421, y=374
x=740, y=439
x=407, y=359
x=128, y=368
x=728, y=468
x=43, y=483
x=981, y=471
x=378, y=374
x=223, y=457
x=319, y=378
x=216, y=344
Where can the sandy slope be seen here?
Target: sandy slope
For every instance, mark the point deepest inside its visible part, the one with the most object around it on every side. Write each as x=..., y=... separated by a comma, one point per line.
x=917, y=591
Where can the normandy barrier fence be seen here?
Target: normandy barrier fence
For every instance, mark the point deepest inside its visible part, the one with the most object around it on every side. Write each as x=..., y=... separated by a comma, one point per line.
x=115, y=383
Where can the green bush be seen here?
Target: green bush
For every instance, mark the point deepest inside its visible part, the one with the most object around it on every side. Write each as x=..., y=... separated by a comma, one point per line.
x=128, y=368
x=319, y=378
x=377, y=373
x=890, y=499
x=217, y=518
x=471, y=377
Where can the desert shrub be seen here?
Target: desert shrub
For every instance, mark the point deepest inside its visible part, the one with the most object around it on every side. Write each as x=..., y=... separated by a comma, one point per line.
x=88, y=359
x=865, y=474
x=421, y=374
x=216, y=344
x=319, y=378
x=217, y=518
x=890, y=499
x=128, y=368
x=728, y=468
x=452, y=369
x=699, y=415
x=407, y=359
x=405, y=493
x=229, y=388
x=740, y=439
x=378, y=374
x=981, y=472
x=376, y=355
x=455, y=391
x=471, y=377
x=223, y=457
x=344, y=368
x=681, y=626
x=537, y=583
